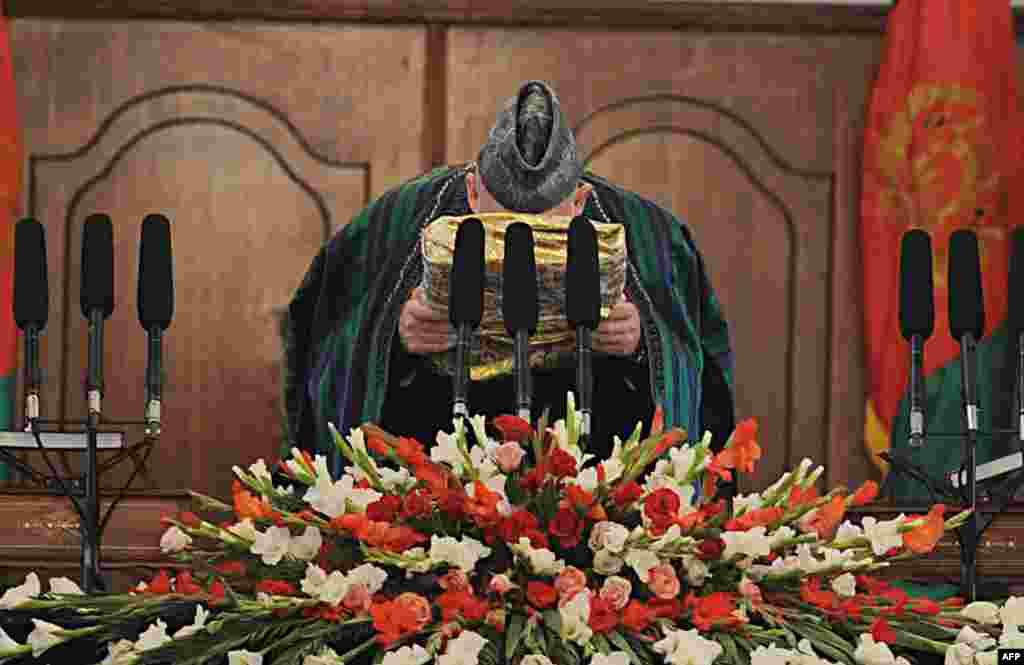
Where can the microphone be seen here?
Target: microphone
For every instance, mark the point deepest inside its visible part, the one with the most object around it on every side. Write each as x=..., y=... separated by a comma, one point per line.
x=519, y=306
x=466, y=306
x=156, y=307
x=97, y=300
x=31, y=305
x=583, y=306
x=966, y=313
x=1015, y=317
x=917, y=319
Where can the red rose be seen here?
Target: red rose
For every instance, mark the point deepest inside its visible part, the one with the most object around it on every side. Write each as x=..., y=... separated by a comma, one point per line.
x=603, y=618
x=276, y=587
x=637, y=616
x=417, y=503
x=661, y=507
x=711, y=549
x=161, y=583
x=513, y=428
x=541, y=595
x=537, y=539
x=563, y=465
x=384, y=509
x=627, y=494
x=185, y=584
x=567, y=527
x=883, y=632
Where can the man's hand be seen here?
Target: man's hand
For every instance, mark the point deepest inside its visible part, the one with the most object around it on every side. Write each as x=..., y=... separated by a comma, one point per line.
x=424, y=329
x=619, y=334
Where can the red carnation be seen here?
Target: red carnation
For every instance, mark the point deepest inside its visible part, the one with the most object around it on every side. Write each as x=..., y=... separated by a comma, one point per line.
x=276, y=587
x=637, y=616
x=883, y=632
x=384, y=509
x=417, y=504
x=567, y=526
x=513, y=428
x=186, y=585
x=563, y=465
x=626, y=494
x=161, y=583
x=541, y=595
x=711, y=549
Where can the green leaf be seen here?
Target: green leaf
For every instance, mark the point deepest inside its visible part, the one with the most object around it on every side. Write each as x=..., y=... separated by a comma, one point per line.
x=601, y=644
x=616, y=638
x=553, y=621
x=514, y=635
x=731, y=650
x=488, y=655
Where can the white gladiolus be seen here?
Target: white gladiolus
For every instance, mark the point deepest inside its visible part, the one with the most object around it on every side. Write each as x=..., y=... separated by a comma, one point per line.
x=407, y=655
x=43, y=636
x=770, y=655
x=848, y=531
x=978, y=641
x=153, y=637
x=1012, y=612
x=64, y=586
x=28, y=590
x=243, y=657
x=306, y=546
x=272, y=545
x=537, y=659
x=259, y=471
x=334, y=498
x=121, y=652
x=6, y=643
x=575, y=619
x=314, y=580
x=463, y=554
x=174, y=540
x=246, y=529
x=743, y=503
x=198, y=624
x=845, y=585
x=334, y=588
x=959, y=654
x=752, y=543
x=986, y=658
x=883, y=535
x=542, y=561
x=982, y=612
x=687, y=647
x=870, y=652
x=614, y=658
x=370, y=576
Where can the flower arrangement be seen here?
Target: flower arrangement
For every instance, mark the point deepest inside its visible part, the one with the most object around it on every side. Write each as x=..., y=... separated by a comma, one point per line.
x=520, y=551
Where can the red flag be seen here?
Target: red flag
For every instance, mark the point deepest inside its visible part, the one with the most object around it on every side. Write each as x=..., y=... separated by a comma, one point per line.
x=941, y=148
x=10, y=192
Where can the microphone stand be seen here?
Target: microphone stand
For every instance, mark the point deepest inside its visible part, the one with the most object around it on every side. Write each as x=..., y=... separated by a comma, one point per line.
x=91, y=580
x=969, y=531
x=917, y=419
x=460, y=390
x=154, y=380
x=584, y=381
x=524, y=387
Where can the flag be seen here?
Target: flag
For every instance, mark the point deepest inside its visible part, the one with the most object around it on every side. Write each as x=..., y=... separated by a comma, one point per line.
x=10, y=193
x=941, y=150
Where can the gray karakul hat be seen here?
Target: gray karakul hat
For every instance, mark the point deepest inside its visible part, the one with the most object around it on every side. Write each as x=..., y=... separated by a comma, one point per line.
x=529, y=162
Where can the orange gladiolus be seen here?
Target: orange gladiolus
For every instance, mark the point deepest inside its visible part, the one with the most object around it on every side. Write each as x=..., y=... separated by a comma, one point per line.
x=248, y=505
x=827, y=518
x=741, y=451
x=922, y=539
x=865, y=494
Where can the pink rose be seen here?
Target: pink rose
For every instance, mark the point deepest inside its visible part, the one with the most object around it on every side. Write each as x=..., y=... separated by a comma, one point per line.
x=663, y=582
x=570, y=582
x=616, y=591
x=501, y=584
x=358, y=599
x=455, y=580
x=418, y=604
x=509, y=455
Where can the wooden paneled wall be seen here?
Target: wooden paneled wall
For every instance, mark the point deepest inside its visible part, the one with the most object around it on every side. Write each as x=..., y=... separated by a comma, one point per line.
x=260, y=139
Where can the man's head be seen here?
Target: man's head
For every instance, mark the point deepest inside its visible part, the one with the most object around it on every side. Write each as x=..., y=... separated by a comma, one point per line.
x=529, y=162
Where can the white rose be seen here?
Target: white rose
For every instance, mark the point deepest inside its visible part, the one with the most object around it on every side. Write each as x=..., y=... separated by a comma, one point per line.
x=870, y=652
x=464, y=649
x=610, y=536
x=606, y=563
x=198, y=624
x=243, y=657
x=696, y=570
x=28, y=590
x=641, y=561
x=407, y=655
x=688, y=647
x=542, y=561
x=982, y=612
x=306, y=546
x=153, y=637
x=64, y=586
x=575, y=619
x=43, y=636
x=1012, y=612
x=770, y=655
x=174, y=540
x=272, y=545
x=845, y=585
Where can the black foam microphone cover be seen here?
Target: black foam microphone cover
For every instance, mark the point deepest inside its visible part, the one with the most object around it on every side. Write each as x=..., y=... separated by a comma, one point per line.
x=98, y=265
x=519, y=280
x=582, y=276
x=1015, y=304
x=467, y=277
x=31, y=286
x=966, y=300
x=156, y=273
x=917, y=294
